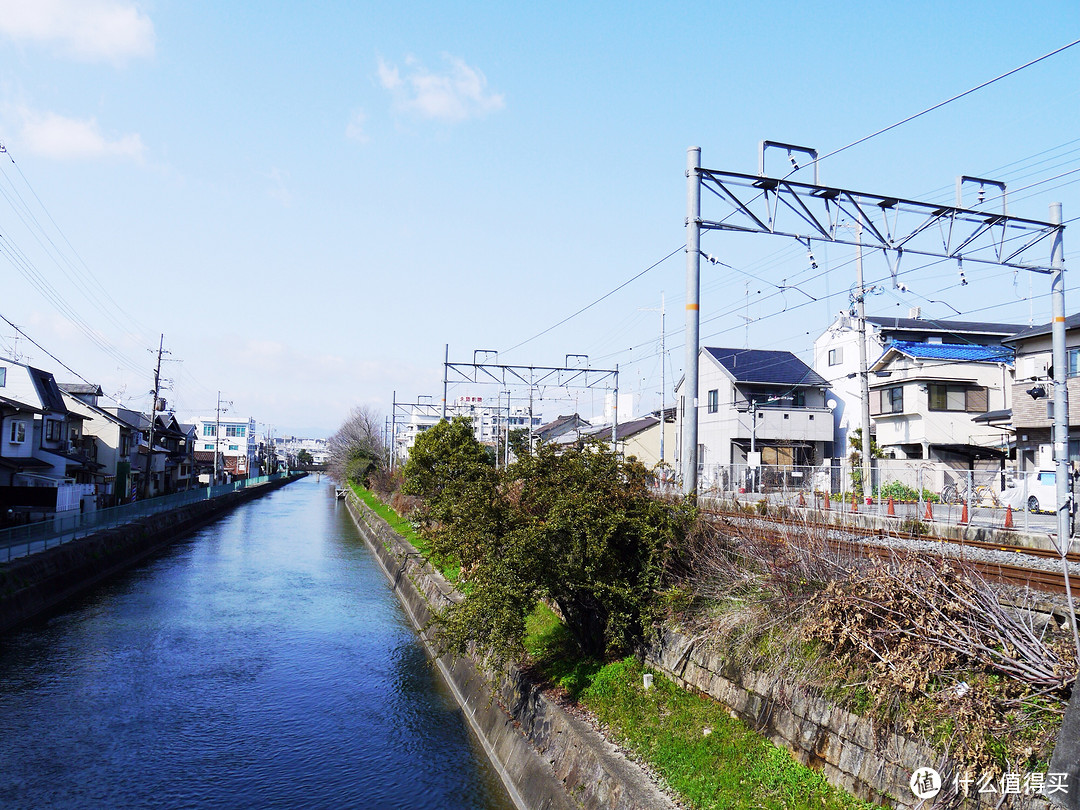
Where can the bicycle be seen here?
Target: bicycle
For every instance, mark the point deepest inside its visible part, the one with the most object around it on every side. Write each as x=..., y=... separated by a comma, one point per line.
x=984, y=495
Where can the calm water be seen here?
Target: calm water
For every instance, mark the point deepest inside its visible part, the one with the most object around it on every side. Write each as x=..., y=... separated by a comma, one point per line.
x=262, y=662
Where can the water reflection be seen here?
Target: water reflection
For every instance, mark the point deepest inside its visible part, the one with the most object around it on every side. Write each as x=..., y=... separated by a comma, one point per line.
x=263, y=662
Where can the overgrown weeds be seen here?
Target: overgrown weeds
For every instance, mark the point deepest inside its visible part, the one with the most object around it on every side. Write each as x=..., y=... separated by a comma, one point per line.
x=922, y=643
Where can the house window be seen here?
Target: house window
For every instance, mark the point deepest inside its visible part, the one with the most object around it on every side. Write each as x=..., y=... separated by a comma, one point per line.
x=208, y=447
x=18, y=432
x=836, y=356
x=209, y=430
x=957, y=398
x=798, y=399
x=887, y=400
x=125, y=445
x=235, y=430
x=3, y=376
x=1074, y=362
x=714, y=400
x=52, y=430
x=234, y=447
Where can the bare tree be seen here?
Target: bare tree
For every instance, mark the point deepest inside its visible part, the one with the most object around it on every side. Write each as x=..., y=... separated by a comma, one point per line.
x=357, y=447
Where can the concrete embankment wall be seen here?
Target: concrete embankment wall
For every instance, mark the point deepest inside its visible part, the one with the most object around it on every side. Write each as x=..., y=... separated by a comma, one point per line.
x=853, y=752
x=31, y=586
x=547, y=758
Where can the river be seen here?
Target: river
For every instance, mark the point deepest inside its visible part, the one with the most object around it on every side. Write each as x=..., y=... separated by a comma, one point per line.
x=260, y=662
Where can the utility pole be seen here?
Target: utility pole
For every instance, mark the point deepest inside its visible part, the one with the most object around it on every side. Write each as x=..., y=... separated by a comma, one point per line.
x=864, y=380
x=446, y=361
x=688, y=405
x=153, y=417
x=217, y=436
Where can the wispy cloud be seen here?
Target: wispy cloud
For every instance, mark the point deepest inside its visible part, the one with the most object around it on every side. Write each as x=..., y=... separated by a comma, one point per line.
x=278, y=190
x=354, y=130
x=54, y=136
x=91, y=30
x=458, y=93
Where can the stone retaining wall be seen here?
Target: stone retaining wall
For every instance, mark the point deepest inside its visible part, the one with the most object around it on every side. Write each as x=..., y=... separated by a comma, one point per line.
x=546, y=757
x=854, y=753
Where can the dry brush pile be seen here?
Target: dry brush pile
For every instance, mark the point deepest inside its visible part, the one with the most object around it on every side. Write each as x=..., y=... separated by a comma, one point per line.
x=918, y=641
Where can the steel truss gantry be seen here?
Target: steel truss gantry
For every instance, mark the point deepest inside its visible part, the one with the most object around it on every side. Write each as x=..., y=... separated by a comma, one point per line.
x=578, y=375
x=893, y=225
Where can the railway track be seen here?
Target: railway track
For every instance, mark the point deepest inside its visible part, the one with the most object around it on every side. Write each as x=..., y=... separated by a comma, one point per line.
x=863, y=541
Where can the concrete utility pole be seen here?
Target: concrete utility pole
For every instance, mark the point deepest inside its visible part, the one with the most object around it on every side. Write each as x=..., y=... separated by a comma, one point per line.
x=688, y=403
x=663, y=379
x=864, y=380
x=153, y=417
x=217, y=436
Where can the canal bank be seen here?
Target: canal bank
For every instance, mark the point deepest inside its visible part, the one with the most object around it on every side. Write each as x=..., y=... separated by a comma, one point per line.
x=261, y=661
x=33, y=585
x=547, y=758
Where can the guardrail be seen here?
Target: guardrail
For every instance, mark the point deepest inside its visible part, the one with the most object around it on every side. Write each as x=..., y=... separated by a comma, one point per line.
x=18, y=541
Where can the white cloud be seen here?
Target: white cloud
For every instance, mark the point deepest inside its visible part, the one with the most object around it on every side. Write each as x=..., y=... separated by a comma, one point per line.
x=354, y=130
x=278, y=190
x=55, y=136
x=457, y=94
x=92, y=30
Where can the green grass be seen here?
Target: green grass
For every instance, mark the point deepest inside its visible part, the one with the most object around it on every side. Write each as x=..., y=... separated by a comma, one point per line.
x=730, y=767
x=448, y=568
x=553, y=650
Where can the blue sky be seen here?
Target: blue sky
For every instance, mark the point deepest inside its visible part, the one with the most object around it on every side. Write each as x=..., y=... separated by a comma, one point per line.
x=310, y=200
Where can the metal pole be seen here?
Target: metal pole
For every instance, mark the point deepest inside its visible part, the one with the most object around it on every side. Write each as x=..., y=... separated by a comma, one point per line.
x=393, y=431
x=1061, y=406
x=446, y=364
x=864, y=380
x=693, y=289
x=217, y=430
x=615, y=415
x=663, y=379
x=530, y=409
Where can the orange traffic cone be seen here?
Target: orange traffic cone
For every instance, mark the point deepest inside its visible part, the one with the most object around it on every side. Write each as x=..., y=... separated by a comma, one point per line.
x=828, y=503
x=892, y=508
x=854, y=503
x=929, y=512
x=964, y=514
x=1008, y=517
x=802, y=500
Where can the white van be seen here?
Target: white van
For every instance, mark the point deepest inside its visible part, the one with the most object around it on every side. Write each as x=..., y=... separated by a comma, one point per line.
x=1041, y=493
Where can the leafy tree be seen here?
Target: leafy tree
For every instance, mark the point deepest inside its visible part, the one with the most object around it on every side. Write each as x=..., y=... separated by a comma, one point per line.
x=357, y=448
x=855, y=442
x=578, y=528
x=304, y=457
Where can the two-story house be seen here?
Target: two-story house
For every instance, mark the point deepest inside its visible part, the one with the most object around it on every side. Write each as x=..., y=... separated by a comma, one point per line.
x=107, y=439
x=1033, y=393
x=836, y=354
x=43, y=466
x=925, y=398
x=756, y=406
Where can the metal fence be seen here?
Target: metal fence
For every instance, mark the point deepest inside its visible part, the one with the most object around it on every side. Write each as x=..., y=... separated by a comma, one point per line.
x=18, y=541
x=926, y=491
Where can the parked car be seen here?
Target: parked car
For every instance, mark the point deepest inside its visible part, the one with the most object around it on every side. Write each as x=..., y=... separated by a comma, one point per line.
x=1040, y=494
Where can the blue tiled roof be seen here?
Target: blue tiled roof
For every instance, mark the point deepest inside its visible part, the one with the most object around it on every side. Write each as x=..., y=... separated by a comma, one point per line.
x=767, y=367
x=954, y=351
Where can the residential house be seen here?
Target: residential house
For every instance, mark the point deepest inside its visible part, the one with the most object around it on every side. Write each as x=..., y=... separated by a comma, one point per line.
x=108, y=440
x=925, y=397
x=43, y=466
x=234, y=439
x=756, y=407
x=836, y=355
x=561, y=426
x=1033, y=393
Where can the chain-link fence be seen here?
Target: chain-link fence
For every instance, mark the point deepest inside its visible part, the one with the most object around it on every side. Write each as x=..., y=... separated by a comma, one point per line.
x=979, y=493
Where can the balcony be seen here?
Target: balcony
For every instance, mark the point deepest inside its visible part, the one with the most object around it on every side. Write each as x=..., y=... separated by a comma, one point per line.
x=786, y=424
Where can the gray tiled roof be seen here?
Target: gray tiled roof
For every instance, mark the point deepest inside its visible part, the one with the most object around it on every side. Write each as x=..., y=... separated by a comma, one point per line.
x=766, y=367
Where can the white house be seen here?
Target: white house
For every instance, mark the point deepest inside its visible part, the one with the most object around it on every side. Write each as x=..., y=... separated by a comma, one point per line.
x=836, y=355
x=756, y=406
